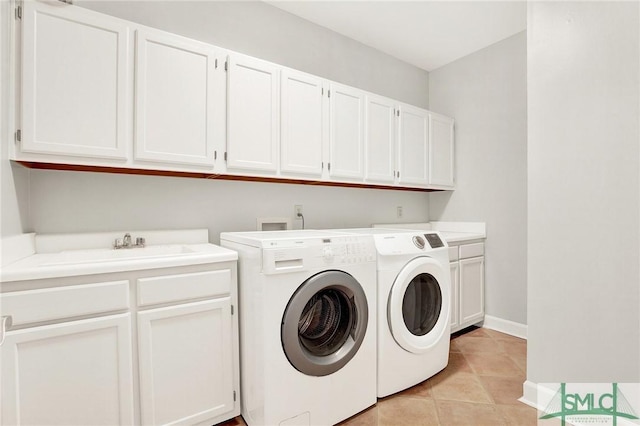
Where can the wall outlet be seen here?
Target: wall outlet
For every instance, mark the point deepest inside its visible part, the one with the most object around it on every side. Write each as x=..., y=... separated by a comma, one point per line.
x=399, y=211
x=297, y=210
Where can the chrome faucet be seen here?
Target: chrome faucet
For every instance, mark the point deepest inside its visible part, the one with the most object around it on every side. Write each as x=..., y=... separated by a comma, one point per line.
x=125, y=243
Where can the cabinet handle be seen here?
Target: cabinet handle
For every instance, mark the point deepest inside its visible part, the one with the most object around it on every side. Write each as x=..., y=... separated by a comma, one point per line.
x=6, y=323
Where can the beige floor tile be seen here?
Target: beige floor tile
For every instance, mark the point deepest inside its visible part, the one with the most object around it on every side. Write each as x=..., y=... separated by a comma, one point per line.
x=422, y=390
x=461, y=387
x=502, y=336
x=368, y=417
x=519, y=415
x=399, y=410
x=457, y=413
x=521, y=362
x=503, y=390
x=515, y=348
x=494, y=365
x=479, y=344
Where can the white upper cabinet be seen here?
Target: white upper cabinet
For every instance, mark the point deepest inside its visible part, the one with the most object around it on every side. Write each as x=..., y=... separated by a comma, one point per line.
x=441, y=151
x=252, y=114
x=302, y=123
x=380, y=139
x=346, y=127
x=413, y=146
x=75, y=82
x=174, y=97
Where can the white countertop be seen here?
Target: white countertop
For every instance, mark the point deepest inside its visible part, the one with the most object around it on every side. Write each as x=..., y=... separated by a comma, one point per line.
x=94, y=257
x=452, y=232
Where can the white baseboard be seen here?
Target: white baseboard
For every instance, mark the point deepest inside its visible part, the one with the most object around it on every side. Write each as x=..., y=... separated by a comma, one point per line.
x=530, y=394
x=505, y=326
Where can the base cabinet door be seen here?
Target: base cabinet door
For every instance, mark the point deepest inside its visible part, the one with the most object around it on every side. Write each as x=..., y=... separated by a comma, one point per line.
x=186, y=362
x=455, y=297
x=471, y=290
x=74, y=373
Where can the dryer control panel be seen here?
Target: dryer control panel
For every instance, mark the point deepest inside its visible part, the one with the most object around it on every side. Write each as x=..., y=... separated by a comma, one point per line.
x=294, y=255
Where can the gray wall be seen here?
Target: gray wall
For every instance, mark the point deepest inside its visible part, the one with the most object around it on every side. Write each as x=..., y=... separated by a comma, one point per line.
x=266, y=32
x=486, y=94
x=584, y=192
x=76, y=202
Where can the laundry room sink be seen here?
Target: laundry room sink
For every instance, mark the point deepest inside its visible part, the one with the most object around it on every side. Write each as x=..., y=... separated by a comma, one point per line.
x=74, y=257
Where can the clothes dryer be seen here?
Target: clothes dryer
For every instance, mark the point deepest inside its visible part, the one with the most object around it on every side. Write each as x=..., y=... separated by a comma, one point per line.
x=414, y=291
x=307, y=304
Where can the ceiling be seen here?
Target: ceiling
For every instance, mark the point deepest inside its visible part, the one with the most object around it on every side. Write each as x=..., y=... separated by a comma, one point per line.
x=427, y=34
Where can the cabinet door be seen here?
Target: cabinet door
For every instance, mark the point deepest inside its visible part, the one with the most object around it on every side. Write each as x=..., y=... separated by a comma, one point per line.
x=455, y=294
x=441, y=151
x=75, y=78
x=252, y=114
x=174, y=99
x=75, y=373
x=471, y=290
x=186, y=362
x=301, y=142
x=380, y=139
x=346, y=125
x=413, y=145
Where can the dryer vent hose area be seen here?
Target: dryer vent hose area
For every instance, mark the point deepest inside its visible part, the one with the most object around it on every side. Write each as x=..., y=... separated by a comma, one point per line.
x=325, y=322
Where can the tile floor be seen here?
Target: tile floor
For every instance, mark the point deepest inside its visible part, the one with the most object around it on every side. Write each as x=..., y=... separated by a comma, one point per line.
x=480, y=386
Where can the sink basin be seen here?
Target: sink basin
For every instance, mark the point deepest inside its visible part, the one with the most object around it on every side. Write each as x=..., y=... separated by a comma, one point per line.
x=73, y=257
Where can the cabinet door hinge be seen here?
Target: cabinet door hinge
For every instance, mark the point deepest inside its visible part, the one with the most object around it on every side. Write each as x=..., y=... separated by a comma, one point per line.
x=329, y=166
x=234, y=396
x=328, y=93
x=216, y=63
x=231, y=309
x=18, y=13
x=322, y=166
x=398, y=113
x=215, y=155
x=18, y=135
x=226, y=65
x=225, y=156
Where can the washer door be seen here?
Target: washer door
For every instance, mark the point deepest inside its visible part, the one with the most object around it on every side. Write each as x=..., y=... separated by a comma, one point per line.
x=324, y=323
x=418, y=305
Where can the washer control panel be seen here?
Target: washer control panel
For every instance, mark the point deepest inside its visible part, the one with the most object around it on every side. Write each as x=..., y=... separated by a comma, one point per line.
x=299, y=255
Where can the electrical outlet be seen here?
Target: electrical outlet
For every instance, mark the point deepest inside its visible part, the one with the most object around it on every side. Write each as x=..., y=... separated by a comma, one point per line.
x=297, y=210
x=399, y=211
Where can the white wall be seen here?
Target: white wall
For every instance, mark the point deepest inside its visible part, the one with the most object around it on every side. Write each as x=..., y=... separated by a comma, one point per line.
x=76, y=202
x=486, y=93
x=584, y=192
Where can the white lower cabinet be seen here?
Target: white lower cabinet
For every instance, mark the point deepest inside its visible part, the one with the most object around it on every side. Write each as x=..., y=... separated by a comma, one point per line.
x=467, y=285
x=185, y=352
x=68, y=357
x=73, y=373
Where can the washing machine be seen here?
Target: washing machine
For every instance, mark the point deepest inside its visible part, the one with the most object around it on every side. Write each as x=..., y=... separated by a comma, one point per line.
x=414, y=291
x=307, y=306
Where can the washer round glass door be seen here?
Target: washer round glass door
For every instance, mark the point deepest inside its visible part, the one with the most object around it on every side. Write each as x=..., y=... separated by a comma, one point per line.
x=324, y=323
x=419, y=305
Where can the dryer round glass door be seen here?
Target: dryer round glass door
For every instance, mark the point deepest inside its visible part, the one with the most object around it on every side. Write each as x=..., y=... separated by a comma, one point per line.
x=419, y=305
x=324, y=323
